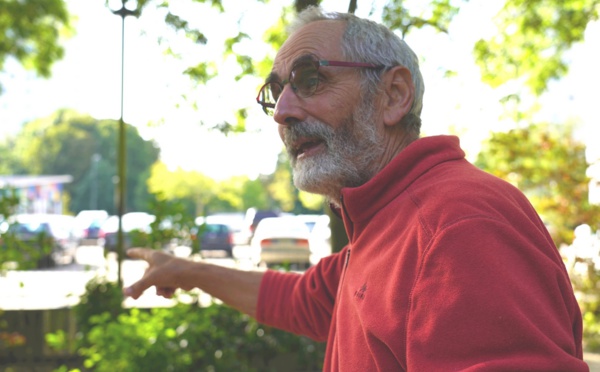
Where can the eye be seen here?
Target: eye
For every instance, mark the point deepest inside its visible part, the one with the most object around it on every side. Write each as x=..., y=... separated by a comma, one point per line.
x=275, y=90
x=305, y=80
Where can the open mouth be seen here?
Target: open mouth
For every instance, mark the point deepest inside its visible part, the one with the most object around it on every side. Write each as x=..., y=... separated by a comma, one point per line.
x=307, y=146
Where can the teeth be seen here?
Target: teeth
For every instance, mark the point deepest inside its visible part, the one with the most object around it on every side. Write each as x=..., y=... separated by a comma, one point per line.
x=305, y=146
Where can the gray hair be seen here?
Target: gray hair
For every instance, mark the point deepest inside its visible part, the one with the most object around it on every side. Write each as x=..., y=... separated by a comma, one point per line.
x=368, y=41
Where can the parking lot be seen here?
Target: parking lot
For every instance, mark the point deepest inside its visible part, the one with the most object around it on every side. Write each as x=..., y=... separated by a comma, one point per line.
x=63, y=285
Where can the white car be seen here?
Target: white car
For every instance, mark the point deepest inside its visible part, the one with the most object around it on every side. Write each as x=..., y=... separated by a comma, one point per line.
x=281, y=240
x=320, y=235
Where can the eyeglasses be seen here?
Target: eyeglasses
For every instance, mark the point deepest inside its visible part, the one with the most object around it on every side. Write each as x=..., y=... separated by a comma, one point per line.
x=304, y=80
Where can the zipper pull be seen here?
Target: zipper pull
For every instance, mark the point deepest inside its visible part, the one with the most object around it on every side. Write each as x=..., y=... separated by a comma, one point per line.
x=347, y=258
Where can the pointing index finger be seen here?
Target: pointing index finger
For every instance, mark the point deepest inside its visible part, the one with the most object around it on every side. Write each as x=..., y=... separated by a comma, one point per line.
x=140, y=253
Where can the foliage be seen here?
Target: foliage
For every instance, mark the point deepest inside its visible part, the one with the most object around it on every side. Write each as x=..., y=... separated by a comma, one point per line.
x=281, y=187
x=193, y=188
x=8, y=203
x=10, y=163
x=532, y=40
x=31, y=32
x=14, y=251
x=581, y=260
x=173, y=223
x=185, y=337
x=191, y=338
x=101, y=298
x=85, y=148
x=549, y=166
x=26, y=255
x=436, y=14
x=9, y=339
x=587, y=287
x=236, y=194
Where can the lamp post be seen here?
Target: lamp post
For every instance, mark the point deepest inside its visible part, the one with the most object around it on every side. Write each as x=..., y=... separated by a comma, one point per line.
x=123, y=12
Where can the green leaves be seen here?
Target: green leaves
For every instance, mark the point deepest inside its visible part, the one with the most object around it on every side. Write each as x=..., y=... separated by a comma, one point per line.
x=437, y=14
x=188, y=337
x=532, y=41
x=68, y=142
x=549, y=166
x=30, y=32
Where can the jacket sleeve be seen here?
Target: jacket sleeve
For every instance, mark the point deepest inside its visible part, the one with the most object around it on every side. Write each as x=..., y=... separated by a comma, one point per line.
x=490, y=298
x=301, y=303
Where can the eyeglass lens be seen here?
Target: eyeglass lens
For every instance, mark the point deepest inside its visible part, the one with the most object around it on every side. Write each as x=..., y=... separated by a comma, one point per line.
x=304, y=79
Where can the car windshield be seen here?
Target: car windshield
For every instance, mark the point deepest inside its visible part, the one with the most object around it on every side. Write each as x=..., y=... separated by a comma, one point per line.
x=288, y=224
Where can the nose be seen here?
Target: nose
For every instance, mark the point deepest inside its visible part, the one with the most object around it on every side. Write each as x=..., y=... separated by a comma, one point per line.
x=288, y=109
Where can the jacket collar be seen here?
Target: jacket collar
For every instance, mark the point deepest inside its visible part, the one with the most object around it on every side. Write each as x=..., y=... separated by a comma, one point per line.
x=361, y=203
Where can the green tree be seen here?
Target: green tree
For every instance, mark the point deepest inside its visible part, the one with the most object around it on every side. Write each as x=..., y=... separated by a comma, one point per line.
x=31, y=31
x=205, y=195
x=549, y=166
x=281, y=187
x=533, y=40
x=197, y=190
x=10, y=163
x=85, y=148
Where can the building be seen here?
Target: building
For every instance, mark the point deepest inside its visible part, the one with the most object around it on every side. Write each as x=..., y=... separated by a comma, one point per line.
x=37, y=194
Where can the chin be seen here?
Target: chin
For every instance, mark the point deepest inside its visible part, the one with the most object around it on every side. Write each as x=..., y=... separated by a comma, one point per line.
x=317, y=177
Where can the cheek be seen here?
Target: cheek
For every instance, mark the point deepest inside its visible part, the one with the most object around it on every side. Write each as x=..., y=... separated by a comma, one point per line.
x=340, y=104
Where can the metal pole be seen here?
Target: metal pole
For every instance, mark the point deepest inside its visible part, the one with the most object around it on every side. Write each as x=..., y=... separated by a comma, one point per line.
x=123, y=12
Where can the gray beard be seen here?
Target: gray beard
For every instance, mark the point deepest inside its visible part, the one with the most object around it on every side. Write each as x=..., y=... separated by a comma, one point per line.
x=350, y=156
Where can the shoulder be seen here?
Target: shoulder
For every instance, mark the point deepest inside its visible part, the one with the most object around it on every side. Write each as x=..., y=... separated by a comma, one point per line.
x=457, y=190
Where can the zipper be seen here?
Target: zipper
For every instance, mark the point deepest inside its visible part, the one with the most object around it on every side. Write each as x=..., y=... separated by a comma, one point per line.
x=346, y=260
x=342, y=278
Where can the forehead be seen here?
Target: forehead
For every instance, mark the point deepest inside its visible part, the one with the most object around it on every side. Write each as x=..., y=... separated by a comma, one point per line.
x=320, y=38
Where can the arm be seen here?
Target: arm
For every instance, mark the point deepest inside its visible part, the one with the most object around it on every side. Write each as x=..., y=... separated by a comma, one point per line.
x=237, y=288
x=302, y=303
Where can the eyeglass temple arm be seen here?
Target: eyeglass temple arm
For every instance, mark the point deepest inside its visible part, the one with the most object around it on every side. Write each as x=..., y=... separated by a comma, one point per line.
x=348, y=64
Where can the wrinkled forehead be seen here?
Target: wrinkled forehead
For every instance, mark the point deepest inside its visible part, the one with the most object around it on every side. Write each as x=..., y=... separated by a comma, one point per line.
x=320, y=38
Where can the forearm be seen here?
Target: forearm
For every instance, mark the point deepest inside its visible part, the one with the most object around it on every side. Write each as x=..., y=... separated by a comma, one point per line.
x=236, y=288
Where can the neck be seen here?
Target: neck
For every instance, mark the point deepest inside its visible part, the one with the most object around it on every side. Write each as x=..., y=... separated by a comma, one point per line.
x=396, y=140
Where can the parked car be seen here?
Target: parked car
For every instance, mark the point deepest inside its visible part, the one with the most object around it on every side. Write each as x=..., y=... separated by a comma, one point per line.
x=251, y=219
x=281, y=240
x=132, y=222
x=48, y=238
x=211, y=238
x=320, y=237
x=234, y=220
x=88, y=224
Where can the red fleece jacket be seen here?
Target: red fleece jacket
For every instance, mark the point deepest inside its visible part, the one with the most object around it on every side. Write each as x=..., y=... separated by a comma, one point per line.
x=448, y=269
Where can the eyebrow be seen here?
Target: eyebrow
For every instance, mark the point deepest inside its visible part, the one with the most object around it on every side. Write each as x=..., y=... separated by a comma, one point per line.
x=273, y=76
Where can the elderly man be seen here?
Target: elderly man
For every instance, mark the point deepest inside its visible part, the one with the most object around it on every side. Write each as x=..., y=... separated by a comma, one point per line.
x=447, y=268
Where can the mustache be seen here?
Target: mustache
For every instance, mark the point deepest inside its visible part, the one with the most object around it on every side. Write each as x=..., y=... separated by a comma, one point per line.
x=306, y=129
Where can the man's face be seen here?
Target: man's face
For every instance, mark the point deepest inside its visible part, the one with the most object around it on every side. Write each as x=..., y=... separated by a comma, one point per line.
x=331, y=136
x=346, y=155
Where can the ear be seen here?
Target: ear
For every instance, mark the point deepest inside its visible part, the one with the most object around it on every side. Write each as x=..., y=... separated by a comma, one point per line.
x=398, y=95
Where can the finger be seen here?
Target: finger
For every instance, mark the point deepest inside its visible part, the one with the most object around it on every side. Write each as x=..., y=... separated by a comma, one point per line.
x=140, y=253
x=136, y=289
x=165, y=292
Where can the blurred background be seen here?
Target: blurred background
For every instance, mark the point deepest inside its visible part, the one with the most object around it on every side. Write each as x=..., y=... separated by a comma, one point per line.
x=148, y=116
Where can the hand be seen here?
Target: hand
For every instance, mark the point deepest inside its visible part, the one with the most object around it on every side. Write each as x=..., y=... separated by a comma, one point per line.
x=163, y=272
